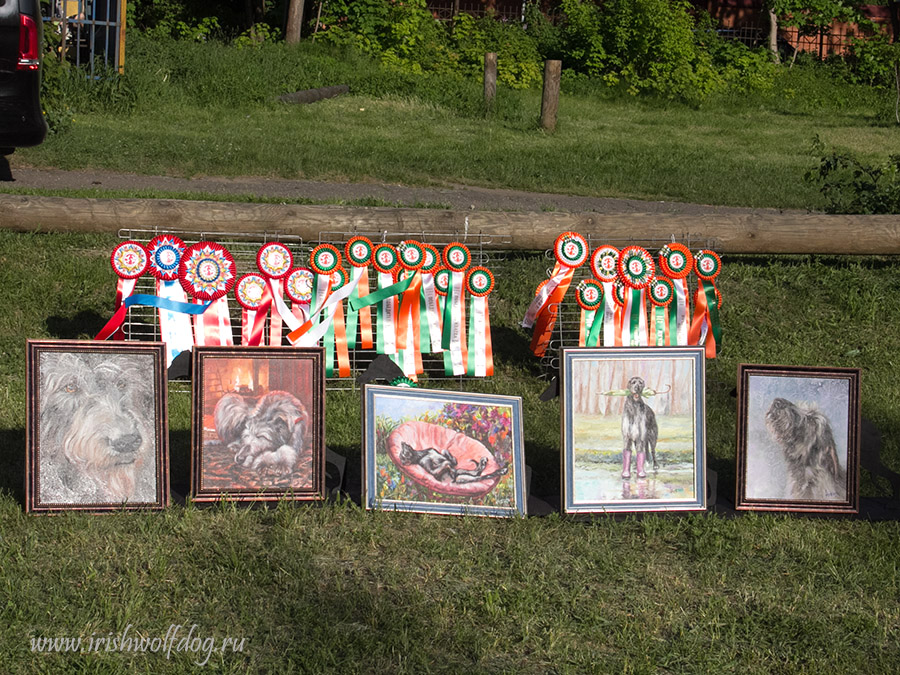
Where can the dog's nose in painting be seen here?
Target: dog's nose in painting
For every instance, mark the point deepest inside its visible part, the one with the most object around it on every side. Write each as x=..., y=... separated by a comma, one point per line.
x=126, y=444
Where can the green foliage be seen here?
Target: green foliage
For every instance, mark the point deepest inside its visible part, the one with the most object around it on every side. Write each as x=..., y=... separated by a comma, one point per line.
x=256, y=35
x=873, y=60
x=518, y=60
x=813, y=17
x=57, y=112
x=851, y=185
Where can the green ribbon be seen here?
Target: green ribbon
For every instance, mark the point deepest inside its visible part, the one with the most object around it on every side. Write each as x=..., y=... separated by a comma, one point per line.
x=329, y=351
x=659, y=325
x=672, y=316
x=593, y=336
x=352, y=316
x=424, y=327
x=381, y=294
x=635, y=319
x=448, y=319
x=470, y=370
x=712, y=303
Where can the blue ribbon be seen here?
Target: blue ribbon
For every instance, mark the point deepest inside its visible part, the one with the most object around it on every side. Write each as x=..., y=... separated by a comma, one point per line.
x=166, y=303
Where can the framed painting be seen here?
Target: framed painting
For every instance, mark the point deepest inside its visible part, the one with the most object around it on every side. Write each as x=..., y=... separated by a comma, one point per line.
x=97, y=435
x=258, y=429
x=798, y=439
x=633, y=429
x=446, y=452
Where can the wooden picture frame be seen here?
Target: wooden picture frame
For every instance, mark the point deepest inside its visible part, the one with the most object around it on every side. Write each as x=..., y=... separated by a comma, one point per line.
x=432, y=451
x=258, y=429
x=633, y=429
x=798, y=439
x=97, y=427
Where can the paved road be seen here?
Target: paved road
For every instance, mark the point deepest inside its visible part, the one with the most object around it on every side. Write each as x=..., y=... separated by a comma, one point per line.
x=453, y=196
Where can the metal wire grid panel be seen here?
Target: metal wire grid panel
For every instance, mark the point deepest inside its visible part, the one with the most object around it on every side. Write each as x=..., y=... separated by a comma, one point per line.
x=568, y=320
x=142, y=323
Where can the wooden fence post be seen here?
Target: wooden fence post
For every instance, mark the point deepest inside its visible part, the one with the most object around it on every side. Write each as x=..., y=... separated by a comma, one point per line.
x=550, y=97
x=490, y=79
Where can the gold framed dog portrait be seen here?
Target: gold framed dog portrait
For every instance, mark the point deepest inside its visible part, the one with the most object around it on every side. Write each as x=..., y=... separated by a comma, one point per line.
x=258, y=431
x=97, y=432
x=798, y=439
x=633, y=429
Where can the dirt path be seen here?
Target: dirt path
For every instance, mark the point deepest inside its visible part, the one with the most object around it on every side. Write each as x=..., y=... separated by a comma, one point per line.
x=454, y=196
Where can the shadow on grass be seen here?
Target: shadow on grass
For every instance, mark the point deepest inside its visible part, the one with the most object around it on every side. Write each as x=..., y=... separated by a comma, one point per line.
x=73, y=327
x=12, y=463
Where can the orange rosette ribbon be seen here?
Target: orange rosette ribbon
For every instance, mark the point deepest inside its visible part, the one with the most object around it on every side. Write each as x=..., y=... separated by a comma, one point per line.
x=706, y=327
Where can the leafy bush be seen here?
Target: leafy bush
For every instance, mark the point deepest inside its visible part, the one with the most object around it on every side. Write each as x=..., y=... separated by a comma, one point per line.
x=850, y=185
x=518, y=60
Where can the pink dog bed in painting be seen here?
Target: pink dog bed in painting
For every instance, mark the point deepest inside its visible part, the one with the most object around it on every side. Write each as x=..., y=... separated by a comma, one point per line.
x=467, y=451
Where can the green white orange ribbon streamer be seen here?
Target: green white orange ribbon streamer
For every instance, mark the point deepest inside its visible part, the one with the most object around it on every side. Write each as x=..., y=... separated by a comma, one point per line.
x=676, y=262
x=570, y=251
x=636, y=270
x=664, y=328
x=706, y=328
x=479, y=284
x=432, y=312
x=457, y=259
x=358, y=253
x=605, y=268
x=589, y=295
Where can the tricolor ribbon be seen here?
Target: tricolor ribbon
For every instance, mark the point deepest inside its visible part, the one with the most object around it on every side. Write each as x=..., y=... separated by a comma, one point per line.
x=129, y=261
x=358, y=252
x=571, y=251
x=706, y=328
x=619, y=295
x=274, y=261
x=456, y=258
x=605, y=267
x=336, y=334
x=411, y=257
x=663, y=326
x=442, y=278
x=431, y=312
x=385, y=262
x=589, y=295
x=479, y=284
x=676, y=262
x=206, y=272
x=253, y=295
x=165, y=253
x=636, y=270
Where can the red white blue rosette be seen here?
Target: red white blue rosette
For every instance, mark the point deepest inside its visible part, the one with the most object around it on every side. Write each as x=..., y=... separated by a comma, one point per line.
x=250, y=291
x=206, y=270
x=129, y=260
x=165, y=251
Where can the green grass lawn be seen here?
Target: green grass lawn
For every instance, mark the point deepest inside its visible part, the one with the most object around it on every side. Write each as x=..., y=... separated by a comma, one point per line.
x=335, y=589
x=192, y=110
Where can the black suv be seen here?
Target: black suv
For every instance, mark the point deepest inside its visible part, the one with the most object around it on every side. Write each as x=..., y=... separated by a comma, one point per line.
x=21, y=121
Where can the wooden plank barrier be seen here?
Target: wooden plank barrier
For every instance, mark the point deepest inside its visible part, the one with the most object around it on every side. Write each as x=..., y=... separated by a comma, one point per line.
x=734, y=233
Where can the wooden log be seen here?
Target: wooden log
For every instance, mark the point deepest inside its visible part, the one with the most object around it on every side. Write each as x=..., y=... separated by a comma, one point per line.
x=550, y=96
x=770, y=232
x=313, y=95
x=490, y=79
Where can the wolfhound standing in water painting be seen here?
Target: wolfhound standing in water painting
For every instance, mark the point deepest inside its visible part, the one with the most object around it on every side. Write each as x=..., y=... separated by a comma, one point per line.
x=97, y=432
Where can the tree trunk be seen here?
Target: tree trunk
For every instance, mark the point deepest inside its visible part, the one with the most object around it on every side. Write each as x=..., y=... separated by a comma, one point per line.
x=294, y=21
x=773, y=36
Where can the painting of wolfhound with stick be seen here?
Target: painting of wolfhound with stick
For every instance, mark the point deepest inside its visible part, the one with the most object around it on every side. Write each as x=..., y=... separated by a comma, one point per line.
x=798, y=438
x=258, y=423
x=97, y=426
x=633, y=429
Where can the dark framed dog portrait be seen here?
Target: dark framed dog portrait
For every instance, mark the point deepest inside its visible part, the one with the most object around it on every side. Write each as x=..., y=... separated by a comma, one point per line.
x=432, y=451
x=258, y=430
x=633, y=429
x=798, y=439
x=97, y=432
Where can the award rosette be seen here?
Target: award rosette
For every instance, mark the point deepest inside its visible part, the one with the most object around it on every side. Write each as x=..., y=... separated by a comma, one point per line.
x=479, y=284
x=206, y=272
x=386, y=262
x=605, y=268
x=275, y=261
x=662, y=295
x=324, y=259
x=636, y=270
x=298, y=286
x=358, y=253
x=336, y=335
x=165, y=252
x=570, y=251
x=589, y=296
x=706, y=328
x=457, y=259
x=129, y=261
x=254, y=296
x=676, y=262
x=430, y=332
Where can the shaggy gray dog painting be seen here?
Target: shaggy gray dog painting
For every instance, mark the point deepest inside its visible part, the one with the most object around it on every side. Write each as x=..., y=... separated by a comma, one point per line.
x=97, y=439
x=804, y=435
x=639, y=429
x=265, y=434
